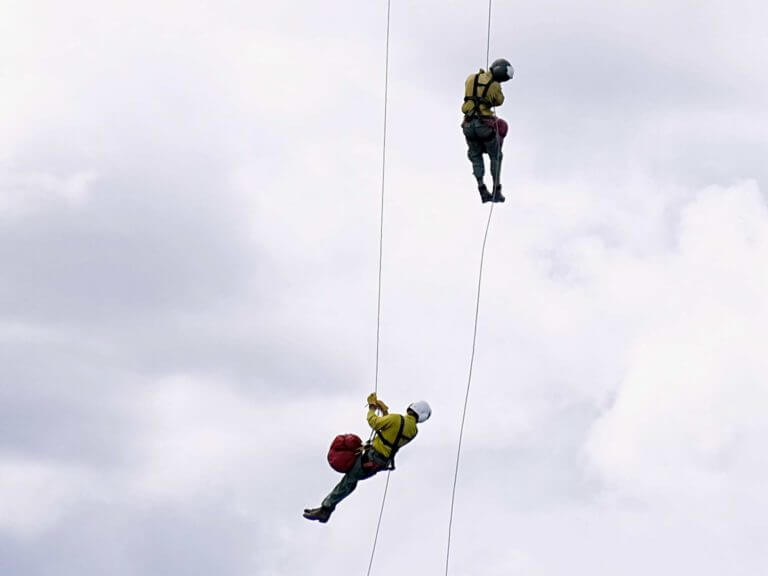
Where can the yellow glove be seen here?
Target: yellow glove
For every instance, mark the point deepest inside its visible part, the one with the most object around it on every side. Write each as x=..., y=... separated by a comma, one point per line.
x=372, y=400
x=383, y=407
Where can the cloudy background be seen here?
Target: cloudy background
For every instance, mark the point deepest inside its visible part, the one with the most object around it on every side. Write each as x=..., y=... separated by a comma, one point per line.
x=189, y=203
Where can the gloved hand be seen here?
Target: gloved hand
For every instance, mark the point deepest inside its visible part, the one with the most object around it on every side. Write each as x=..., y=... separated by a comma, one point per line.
x=383, y=407
x=372, y=400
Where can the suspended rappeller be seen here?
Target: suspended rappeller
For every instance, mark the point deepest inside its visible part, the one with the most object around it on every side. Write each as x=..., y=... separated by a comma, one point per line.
x=391, y=433
x=482, y=129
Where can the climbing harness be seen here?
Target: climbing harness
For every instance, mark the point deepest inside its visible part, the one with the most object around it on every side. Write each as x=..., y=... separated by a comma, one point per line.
x=400, y=441
x=476, y=99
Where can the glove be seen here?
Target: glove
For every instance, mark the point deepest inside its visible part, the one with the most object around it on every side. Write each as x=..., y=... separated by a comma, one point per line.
x=383, y=407
x=372, y=400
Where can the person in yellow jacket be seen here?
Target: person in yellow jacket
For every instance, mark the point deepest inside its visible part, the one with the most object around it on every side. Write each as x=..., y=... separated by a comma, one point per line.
x=392, y=432
x=482, y=92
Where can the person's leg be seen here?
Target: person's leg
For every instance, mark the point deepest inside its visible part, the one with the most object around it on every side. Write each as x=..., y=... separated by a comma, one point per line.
x=475, y=154
x=347, y=484
x=343, y=489
x=475, y=148
x=474, y=151
x=493, y=148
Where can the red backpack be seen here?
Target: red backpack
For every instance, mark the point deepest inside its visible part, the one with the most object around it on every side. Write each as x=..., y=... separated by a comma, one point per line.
x=344, y=451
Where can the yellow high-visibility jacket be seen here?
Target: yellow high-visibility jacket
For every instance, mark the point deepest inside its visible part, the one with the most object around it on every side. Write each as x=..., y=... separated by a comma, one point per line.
x=387, y=426
x=493, y=97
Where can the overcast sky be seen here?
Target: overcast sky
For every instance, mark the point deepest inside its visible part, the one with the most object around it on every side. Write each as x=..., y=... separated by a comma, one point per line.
x=189, y=205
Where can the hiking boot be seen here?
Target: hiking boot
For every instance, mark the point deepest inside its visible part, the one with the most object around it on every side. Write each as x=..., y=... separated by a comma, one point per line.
x=320, y=514
x=485, y=196
x=497, y=195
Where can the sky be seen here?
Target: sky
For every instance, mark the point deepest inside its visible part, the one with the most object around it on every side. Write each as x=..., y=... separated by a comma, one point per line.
x=189, y=228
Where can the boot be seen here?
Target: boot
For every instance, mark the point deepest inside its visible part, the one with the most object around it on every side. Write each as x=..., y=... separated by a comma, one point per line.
x=497, y=195
x=320, y=514
x=485, y=196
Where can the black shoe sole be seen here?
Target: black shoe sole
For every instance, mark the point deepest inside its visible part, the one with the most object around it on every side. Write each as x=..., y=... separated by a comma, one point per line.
x=320, y=519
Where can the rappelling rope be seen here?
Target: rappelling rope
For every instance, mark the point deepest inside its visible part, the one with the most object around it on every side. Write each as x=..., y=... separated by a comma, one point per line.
x=381, y=209
x=381, y=253
x=474, y=332
x=378, y=310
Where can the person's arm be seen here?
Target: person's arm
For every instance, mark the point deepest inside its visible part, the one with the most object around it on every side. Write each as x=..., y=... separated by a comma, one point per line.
x=495, y=95
x=467, y=105
x=375, y=421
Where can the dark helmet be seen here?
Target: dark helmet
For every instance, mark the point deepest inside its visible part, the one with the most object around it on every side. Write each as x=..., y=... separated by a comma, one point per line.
x=502, y=70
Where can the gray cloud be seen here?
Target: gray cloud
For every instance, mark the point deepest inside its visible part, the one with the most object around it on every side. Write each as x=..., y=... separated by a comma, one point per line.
x=188, y=219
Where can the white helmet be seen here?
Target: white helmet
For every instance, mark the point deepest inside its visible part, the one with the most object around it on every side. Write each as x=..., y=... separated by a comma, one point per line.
x=421, y=409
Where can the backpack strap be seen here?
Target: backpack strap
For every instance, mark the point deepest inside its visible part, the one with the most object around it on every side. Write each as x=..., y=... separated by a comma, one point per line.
x=400, y=441
x=487, y=87
x=479, y=99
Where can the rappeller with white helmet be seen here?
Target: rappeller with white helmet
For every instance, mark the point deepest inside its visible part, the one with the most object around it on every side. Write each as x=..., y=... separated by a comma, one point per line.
x=358, y=461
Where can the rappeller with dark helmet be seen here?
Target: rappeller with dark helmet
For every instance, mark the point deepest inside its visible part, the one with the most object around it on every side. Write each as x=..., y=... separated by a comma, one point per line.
x=482, y=129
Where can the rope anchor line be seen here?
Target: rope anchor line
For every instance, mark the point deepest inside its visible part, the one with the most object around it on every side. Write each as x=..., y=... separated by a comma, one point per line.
x=378, y=310
x=474, y=339
x=381, y=253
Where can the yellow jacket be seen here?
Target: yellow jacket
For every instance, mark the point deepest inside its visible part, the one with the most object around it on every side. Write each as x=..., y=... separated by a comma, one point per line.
x=388, y=426
x=494, y=96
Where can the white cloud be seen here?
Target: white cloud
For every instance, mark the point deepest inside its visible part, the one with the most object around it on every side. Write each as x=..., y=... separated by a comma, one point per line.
x=201, y=438
x=21, y=194
x=201, y=263
x=687, y=412
x=35, y=495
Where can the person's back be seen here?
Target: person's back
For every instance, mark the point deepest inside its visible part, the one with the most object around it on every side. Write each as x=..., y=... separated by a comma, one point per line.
x=481, y=94
x=389, y=434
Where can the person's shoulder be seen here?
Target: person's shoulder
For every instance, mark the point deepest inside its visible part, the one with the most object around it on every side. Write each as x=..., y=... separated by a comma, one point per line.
x=393, y=419
x=480, y=72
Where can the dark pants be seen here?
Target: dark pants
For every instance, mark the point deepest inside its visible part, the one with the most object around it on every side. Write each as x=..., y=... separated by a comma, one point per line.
x=482, y=138
x=365, y=466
